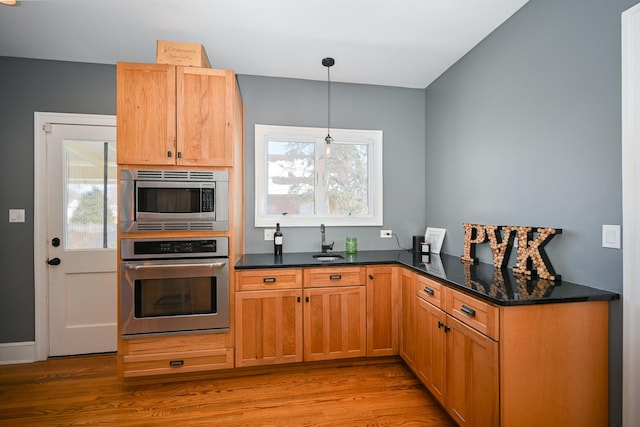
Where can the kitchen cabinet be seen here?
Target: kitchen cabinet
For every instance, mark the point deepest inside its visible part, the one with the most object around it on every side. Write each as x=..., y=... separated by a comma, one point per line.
x=335, y=303
x=271, y=305
x=429, y=364
x=382, y=311
x=172, y=115
x=268, y=317
x=407, y=339
x=162, y=355
x=525, y=365
x=455, y=362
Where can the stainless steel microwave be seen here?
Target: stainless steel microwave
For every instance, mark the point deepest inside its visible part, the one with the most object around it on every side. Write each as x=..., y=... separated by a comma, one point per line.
x=174, y=200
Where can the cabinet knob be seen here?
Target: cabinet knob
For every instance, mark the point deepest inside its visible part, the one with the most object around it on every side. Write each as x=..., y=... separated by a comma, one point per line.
x=169, y=154
x=179, y=154
x=371, y=276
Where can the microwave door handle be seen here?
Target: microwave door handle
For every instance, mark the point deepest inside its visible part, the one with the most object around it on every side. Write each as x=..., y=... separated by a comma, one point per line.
x=144, y=267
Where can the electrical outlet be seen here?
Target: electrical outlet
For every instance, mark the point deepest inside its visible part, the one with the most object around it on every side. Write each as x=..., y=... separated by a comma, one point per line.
x=385, y=234
x=268, y=233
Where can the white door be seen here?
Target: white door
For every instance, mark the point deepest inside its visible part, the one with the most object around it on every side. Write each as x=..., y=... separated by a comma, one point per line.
x=81, y=237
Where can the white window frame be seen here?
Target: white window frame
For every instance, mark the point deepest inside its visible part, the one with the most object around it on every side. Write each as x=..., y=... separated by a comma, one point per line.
x=317, y=135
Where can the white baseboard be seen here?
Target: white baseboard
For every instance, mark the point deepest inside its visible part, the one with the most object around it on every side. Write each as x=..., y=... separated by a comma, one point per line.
x=17, y=352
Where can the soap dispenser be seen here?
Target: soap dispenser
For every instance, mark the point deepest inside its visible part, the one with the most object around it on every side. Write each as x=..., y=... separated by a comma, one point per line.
x=277, y=241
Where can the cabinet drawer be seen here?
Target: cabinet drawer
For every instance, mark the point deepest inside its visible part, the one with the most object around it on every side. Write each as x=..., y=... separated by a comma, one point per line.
x=430, y=290
x=334, y=276
x=478, y=314
x=171, y=363
x=276, y=278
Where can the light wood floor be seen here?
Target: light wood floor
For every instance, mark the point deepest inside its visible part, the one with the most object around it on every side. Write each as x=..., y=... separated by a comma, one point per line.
x=86, y=391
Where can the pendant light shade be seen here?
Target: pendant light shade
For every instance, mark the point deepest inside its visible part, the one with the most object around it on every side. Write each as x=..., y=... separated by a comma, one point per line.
x=8, y=2
x=328, y=62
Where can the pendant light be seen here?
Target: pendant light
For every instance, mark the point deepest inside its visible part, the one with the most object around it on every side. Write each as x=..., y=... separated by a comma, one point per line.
x=8, y=2
x=328, y=62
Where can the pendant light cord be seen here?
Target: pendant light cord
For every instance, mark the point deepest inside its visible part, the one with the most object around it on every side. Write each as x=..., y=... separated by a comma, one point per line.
x=328, y=62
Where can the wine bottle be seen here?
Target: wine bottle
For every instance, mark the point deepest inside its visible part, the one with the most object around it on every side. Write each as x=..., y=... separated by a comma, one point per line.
x=277, y=240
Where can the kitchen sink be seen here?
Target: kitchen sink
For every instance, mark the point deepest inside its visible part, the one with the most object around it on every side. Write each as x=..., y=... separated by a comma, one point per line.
x=328, y=257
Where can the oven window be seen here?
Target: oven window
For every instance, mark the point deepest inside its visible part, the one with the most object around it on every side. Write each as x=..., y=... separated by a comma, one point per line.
x=175, y=200
x=175, y=297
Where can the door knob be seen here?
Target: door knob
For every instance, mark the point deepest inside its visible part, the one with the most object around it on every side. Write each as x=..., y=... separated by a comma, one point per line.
x=53, y=261
x=55, y=242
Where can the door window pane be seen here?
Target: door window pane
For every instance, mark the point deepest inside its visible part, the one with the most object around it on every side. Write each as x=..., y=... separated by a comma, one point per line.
x=90, y=194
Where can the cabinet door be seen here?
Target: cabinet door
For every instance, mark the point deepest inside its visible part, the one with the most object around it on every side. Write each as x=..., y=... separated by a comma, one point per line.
x=430, y=360
x=335, y=322
x=146, y=113
x=472, y=376
x=407, y=316
x=205, y=112
x=268, y=327
x=382, y=311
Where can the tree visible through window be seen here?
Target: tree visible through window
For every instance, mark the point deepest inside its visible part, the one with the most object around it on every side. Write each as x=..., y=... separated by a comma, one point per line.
x=302, y=181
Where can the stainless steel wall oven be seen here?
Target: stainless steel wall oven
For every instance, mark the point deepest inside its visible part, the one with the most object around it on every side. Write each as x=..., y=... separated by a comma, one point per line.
x=174, y=285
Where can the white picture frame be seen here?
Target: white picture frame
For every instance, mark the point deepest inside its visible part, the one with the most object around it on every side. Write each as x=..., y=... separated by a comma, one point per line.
x=435, y=236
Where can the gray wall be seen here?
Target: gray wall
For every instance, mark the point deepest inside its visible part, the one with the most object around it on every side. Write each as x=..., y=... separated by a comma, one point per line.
x=27, y=86
x=525, y=130
x=398, y=112
x=33, y=85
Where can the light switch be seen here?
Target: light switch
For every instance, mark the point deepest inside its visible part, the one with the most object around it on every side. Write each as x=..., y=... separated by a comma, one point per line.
x=16, y=215
x=611, y=236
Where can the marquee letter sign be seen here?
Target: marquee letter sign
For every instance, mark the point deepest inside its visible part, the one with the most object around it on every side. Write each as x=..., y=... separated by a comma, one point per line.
x=531, y=259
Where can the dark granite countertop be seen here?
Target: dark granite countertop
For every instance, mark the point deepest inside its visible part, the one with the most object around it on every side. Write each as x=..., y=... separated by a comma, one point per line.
x=500, y=287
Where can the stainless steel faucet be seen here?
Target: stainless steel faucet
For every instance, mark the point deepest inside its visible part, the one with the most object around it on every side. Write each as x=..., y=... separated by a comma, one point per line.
x=325, y=247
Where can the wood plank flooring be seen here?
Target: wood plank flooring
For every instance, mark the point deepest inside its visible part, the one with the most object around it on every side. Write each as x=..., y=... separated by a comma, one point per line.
x=86, y=391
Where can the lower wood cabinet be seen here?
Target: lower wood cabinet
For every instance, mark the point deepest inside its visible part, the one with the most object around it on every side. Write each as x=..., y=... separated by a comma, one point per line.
x=472, y=376
x=268, y=317
x=268, y=327
x=383, y=310
x=431, y=351
x=334, y=323
x=522, y=365
x=335, y=304
x=407, y=338
x=272, y=305
x=174, y=354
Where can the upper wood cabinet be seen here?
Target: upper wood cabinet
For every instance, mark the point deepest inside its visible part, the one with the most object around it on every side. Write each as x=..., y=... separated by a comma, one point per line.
x=172, y=115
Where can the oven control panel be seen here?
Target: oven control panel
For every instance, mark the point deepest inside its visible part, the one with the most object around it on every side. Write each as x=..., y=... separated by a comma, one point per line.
x=174, y=248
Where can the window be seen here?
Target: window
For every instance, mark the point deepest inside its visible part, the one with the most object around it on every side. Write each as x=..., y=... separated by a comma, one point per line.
x=300, y=181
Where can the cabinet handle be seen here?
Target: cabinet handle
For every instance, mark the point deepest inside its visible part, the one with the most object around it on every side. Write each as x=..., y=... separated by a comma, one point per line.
x=371, y=276
x=440, y=324
x=176, y=363
x=269, y=280
x=298, y=299
x=447, y=328
x=306, y=299
x=467, y=310
x=169, y=154
x=428, y=290
x=179, y=154
x=335, y=277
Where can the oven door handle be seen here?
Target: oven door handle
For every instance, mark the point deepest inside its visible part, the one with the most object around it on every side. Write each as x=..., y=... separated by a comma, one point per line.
x=148, y=266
